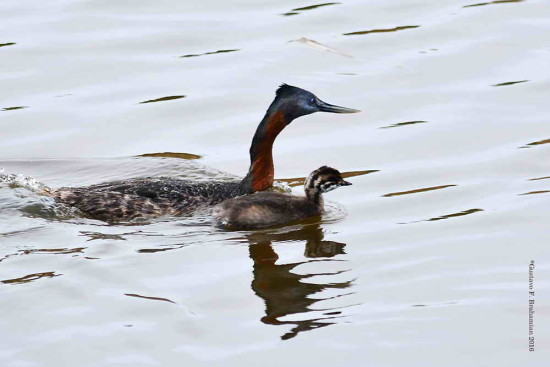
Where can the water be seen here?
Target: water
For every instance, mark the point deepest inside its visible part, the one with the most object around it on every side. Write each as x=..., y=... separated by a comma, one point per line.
x=430, y=266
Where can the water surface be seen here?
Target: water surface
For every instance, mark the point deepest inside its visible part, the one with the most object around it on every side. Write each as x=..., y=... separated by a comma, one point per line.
x=424, y=261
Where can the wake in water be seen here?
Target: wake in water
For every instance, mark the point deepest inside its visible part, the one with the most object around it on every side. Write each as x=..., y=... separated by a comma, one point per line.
x=19, y=180
x=28, y=196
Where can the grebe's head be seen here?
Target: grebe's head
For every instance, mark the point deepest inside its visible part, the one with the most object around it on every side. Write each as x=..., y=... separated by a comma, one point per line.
x=325, y=179
x=295, y=102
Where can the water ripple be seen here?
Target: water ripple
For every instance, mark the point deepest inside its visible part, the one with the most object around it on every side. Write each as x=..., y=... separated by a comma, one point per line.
x=540, y=142
x=509, y=83
x=453, y=215
x=30, y=278
x=536, y=192
x=447, y=216
x=171, y=155
x=53, y=251
x=22, y=231
x=148, y=297
x=404, y=124
x=382, y=30
x=162, y=249
x=296, y=11
x=319, y=46
x=14, y=108
x=493, y=3
x=210, y=53
x=169, y=98
x=539, y=178
x=417, y=190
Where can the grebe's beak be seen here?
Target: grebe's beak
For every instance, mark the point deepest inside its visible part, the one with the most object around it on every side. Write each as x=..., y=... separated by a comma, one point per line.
x=327, y=107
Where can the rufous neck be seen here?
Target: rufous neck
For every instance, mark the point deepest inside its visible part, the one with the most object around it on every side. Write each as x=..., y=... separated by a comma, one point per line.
x=261, y=172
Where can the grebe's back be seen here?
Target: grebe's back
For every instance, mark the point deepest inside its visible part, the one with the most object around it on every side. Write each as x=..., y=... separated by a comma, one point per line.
x=151, y=197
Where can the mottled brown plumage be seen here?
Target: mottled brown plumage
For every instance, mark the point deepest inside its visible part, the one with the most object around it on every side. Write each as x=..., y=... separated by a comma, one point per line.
x=146, y=197
x=267, y=209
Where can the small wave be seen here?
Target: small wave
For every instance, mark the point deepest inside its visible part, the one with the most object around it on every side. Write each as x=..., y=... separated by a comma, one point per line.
x=30, y=278
x=536, y=192
x=210, y=53
x=28, y=196
x=14, y=108
x=492, y=3
x=334, y=212
x=509, y=83
x=540, y=142
x=296, y=11
x=171, y=155
x=282, y=186
x=19, y=180
x=319, y=46
x=448, y=216
x=162, y=99
x=539, y=178
x=415, y=191
x=399, y=124
x=385, y=30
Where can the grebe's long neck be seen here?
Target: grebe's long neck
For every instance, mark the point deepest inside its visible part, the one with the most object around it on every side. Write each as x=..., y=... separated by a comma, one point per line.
x=261, y=172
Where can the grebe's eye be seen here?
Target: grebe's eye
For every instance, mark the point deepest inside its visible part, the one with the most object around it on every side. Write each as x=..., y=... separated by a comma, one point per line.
x=312, y=100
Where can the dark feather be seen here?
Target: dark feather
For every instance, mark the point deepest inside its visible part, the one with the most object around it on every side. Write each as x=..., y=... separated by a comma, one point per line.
x=286, y=89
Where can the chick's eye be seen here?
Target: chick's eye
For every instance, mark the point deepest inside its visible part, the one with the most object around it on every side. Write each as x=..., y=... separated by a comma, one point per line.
x=312, y=100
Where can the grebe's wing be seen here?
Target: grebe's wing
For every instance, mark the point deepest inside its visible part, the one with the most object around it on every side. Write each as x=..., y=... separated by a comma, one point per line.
x=109, y=206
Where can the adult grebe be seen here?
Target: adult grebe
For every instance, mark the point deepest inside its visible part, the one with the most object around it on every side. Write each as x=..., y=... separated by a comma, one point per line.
x=157, y=196
x=267, y=209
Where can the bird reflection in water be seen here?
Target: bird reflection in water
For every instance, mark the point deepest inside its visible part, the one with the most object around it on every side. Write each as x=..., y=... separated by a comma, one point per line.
x=288, y=293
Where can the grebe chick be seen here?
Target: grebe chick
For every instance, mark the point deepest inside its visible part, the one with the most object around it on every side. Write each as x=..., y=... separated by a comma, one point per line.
x=157, y=196
x=266, y=209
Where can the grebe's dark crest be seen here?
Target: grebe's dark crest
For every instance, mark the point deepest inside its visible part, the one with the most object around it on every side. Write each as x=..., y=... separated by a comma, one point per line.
x=266, y=209
x=157, y=196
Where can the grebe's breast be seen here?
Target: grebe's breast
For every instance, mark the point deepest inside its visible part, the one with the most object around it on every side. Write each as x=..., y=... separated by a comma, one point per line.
x=264, y=209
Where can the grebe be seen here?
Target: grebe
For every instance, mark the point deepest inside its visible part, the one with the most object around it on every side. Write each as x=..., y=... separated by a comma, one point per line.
x=266, y=209
x=157, y=196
